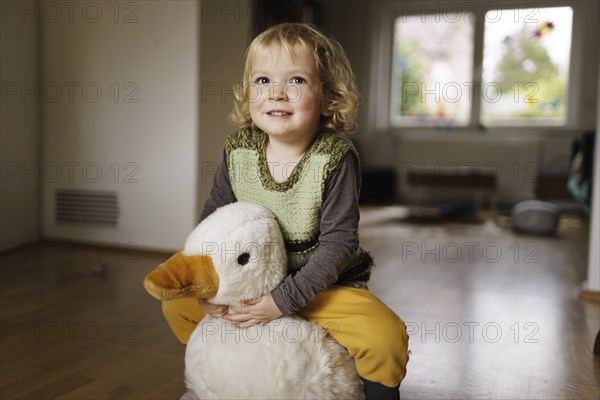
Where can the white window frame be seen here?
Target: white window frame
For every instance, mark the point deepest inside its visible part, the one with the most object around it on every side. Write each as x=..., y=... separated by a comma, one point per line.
x=381, y=61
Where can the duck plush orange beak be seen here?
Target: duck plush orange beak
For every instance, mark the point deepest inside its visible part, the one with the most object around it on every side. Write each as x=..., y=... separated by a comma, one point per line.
x=183, y=276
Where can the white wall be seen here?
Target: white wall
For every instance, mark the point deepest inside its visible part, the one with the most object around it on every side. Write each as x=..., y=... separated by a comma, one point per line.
x=224, y=32
x=593, y=278
x=19, y=139
x=158, y=154
x=145, y=150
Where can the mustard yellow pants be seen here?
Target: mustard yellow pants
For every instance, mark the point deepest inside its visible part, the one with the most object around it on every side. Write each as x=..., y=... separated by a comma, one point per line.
x=373, y=334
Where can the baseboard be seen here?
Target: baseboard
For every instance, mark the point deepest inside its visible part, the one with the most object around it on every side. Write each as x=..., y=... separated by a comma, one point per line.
x=13, y=247
x=590, y=295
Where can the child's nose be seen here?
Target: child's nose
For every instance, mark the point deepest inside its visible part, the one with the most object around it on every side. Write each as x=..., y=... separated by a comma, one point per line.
x=277, y=92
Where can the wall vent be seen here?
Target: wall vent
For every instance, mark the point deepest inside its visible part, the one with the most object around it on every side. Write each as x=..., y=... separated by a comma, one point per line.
x=86, y=207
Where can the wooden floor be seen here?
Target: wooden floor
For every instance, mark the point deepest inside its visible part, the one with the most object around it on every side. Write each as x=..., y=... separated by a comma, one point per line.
x=491, y=315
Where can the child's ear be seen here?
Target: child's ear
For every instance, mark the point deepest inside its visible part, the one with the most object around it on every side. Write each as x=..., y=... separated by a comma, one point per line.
x=326, y=112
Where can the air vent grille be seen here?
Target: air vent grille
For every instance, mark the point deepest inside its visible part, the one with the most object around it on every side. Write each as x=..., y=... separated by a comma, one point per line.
x=86, y=207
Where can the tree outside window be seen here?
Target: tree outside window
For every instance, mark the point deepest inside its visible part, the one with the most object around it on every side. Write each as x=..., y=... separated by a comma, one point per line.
x=526, y=67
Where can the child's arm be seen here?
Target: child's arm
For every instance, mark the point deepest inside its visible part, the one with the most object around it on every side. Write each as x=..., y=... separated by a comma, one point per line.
x=259, y=311
x=337, y=243
x=221, y=192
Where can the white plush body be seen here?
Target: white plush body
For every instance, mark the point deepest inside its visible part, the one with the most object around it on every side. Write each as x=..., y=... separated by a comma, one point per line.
x=289, y=358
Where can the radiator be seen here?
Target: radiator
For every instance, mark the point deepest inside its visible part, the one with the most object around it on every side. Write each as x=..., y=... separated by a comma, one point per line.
x=514, y=162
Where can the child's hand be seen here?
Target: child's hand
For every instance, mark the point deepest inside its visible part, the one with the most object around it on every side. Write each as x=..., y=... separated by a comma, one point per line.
x=214, y=310
x=259, y=311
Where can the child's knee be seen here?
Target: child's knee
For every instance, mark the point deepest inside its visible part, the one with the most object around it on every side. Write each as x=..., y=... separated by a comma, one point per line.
x=392, y=338
x=388, y=350
x=385, y=356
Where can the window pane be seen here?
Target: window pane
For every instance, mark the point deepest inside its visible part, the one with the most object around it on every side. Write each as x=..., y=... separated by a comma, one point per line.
x=431, y=79
x=526, y=66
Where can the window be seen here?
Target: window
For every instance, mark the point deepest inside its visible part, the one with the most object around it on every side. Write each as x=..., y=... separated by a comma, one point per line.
x=526, y=67
x=523, y=80
x=426, y=70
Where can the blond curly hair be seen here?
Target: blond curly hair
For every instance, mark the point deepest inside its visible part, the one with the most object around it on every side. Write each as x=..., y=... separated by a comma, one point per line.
x=338, y=84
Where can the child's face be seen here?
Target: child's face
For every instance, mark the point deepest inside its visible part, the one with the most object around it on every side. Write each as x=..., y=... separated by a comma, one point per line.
x=285, y=93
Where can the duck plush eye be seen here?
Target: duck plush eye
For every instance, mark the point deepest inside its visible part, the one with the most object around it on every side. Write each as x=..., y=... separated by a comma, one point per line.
x=243, y=258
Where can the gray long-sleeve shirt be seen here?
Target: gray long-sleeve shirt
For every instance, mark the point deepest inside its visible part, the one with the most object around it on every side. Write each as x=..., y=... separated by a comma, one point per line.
x=338, y=239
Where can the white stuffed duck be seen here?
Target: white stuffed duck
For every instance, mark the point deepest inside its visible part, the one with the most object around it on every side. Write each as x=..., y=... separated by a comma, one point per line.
x=237, y=254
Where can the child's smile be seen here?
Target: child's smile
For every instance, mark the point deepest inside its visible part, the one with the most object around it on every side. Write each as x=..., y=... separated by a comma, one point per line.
x=285, y=94
x=279, y=113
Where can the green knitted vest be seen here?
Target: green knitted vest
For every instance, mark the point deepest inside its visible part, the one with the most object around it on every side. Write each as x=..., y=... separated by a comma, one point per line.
x=297, y=202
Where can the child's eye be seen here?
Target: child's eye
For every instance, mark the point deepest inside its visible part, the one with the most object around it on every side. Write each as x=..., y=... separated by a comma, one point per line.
x=262, y=80
x=298, y=80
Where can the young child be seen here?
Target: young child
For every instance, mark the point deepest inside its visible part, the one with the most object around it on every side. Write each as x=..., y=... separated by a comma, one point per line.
x=299, y=97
